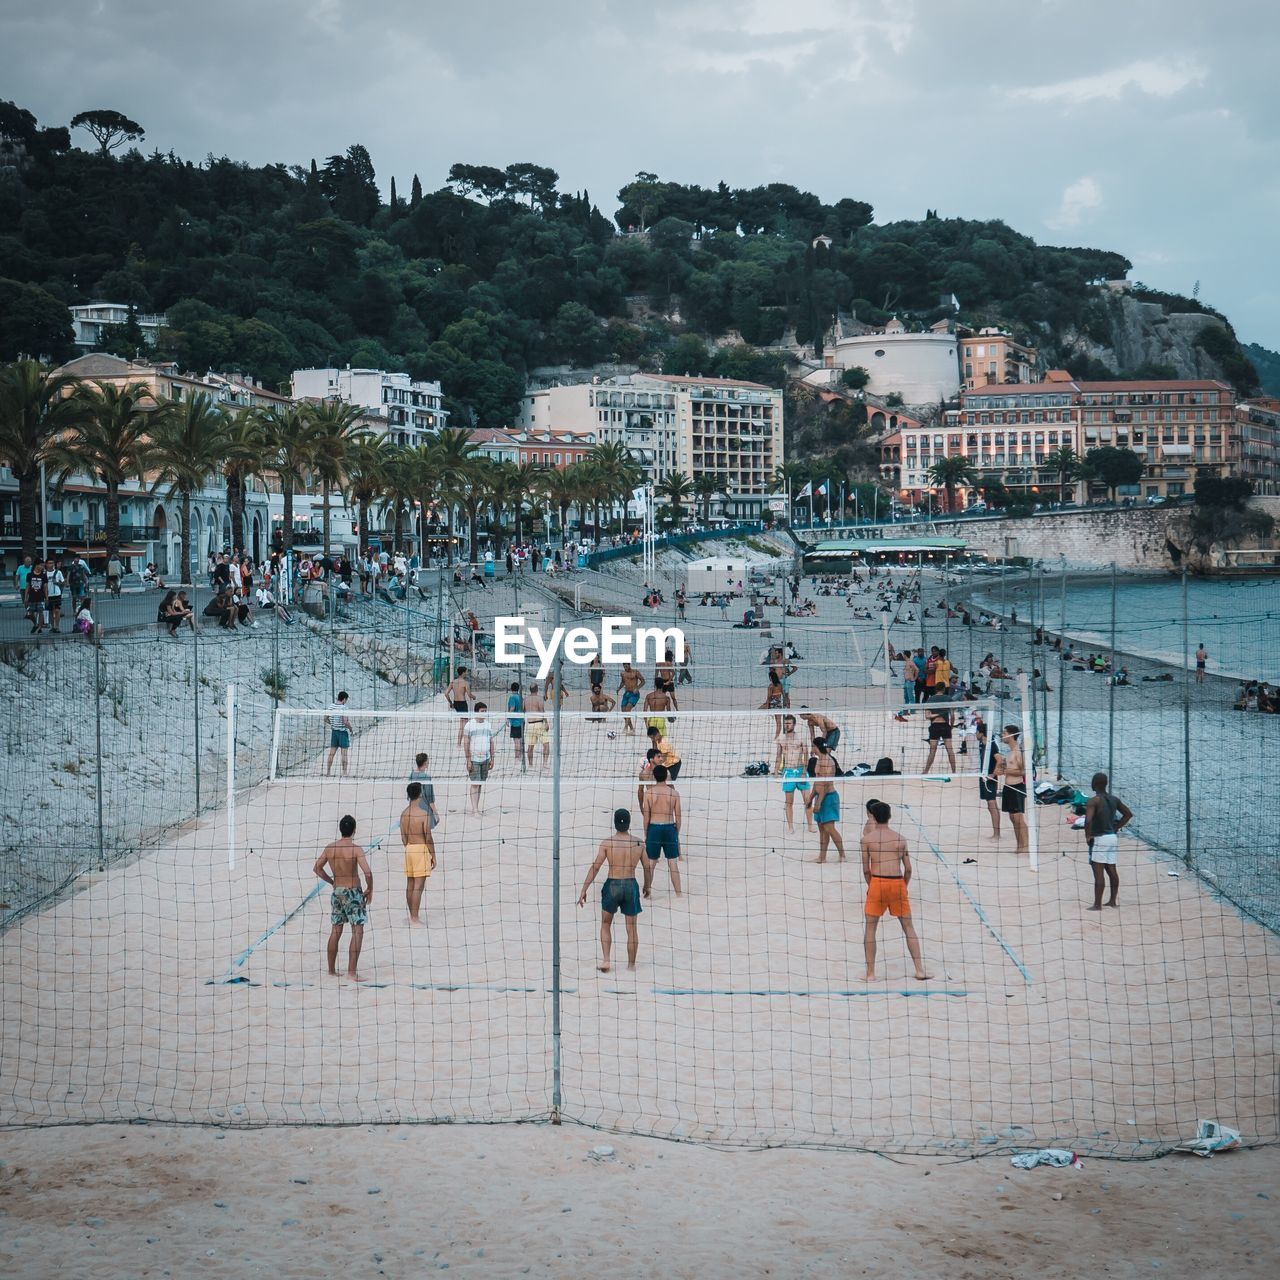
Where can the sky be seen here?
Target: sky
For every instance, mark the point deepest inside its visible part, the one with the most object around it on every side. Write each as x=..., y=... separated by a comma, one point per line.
x=1150, y=127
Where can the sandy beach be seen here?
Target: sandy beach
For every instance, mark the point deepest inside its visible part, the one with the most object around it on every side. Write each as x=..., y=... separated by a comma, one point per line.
x=531, y=1200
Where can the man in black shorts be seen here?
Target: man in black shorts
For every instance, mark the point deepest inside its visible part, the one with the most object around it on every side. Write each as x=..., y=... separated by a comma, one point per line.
x=988, y=787
x=940, y=733
x=1013, y=796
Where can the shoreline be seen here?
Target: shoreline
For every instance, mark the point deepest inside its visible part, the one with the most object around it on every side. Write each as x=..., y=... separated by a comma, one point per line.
x=1096, y=641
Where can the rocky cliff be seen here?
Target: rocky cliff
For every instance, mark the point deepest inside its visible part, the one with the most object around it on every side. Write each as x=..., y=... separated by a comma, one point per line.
x=1127, y=333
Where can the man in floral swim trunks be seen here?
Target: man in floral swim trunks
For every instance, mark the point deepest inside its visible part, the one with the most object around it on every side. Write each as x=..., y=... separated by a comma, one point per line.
x=341, y=865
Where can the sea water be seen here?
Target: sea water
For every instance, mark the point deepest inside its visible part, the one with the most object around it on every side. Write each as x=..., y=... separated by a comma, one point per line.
x=1236, y=619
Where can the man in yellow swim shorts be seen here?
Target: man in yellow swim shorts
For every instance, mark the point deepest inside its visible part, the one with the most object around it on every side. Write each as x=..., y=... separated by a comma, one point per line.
x=419, y=851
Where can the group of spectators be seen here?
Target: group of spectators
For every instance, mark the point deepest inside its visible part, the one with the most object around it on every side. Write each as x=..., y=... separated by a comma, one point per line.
x=48, y=589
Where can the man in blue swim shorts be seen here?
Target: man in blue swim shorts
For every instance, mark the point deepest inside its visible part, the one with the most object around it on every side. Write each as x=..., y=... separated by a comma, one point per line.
x=826, y=799
x=623, y=852
x=788, y=762
x=661, y=811
x=630, y=682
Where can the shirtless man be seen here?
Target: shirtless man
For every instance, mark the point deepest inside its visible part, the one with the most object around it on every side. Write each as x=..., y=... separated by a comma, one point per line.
x=601, y=704
x=644, y=780
x=630, y=682
x=789, y=760
x=664, y=672
x=1202, y=660
x=1013, y=795
x=537, y=732
x=622, y=851
x=821, y=726
x=825, y=801
x=662, y=827
x=886, y=867
x=658, y=699
x=341, y=865
x=458, y=692
x=419, y=850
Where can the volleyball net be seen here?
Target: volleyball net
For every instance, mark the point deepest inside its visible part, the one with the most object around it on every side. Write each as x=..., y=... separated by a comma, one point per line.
x=191, y=983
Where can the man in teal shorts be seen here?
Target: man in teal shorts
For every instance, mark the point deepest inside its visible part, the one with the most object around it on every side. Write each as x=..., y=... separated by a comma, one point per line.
x=661, y=810
x=826, y=799
x=788, y=762
x=623, y=852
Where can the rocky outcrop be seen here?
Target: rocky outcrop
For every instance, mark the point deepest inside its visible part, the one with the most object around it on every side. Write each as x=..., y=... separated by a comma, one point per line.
x=1134, y=538
x=1143, y=333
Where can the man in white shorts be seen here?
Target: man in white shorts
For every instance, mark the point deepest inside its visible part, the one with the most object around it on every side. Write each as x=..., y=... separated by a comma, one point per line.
x=1104, y=816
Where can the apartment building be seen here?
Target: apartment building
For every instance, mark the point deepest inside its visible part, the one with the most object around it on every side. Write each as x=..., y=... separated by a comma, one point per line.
x=553, y=450
x=408, y=412
x=1007, y=432
x=669, y=423
x=1177, y=427
x=992, y=356
x=91, y=320
x=1258, y=442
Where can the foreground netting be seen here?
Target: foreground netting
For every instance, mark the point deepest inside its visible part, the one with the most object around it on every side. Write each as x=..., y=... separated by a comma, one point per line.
x=188, y=983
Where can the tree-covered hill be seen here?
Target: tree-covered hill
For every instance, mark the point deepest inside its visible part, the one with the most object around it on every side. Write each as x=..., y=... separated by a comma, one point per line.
x=269, y=268
x=1267, y=363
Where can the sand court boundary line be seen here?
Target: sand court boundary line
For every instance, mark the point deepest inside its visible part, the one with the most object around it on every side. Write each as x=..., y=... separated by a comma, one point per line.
x=973, y=902
x=755, y=993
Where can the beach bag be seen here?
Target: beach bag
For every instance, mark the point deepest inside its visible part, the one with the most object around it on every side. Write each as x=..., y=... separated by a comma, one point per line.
x=756, y=769
x=884, y=767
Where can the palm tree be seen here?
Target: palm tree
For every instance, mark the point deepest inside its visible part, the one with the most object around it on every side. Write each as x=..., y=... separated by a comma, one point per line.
x=425, y=471
x=333, y=429
x=287, y=438
x=109, y=441
x=950, y=473
x=1067, y=463
x=475, y=492
x=34, y=407
x=399, y=488
x=677, y=490
x=189, y=441
x=506, y=491
x=455, y=459
x=563, y=490
x=368, y=460
x=246, y=457
x=594, y=488
x=620, y=472
x=790, y=479
x=526, y=482
x=705, y=487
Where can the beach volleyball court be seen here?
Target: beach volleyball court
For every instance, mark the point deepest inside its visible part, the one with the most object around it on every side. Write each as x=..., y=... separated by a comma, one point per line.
x=179, y=987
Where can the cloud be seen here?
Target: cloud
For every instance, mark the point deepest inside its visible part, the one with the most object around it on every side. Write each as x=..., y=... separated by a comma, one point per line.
x=1078, y=198
x=1157, y=79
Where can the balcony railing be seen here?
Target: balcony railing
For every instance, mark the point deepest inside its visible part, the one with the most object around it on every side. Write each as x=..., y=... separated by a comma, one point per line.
x=81, y=536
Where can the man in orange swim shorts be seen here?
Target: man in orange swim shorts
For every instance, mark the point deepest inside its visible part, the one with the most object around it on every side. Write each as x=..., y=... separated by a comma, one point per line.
x=886, y=867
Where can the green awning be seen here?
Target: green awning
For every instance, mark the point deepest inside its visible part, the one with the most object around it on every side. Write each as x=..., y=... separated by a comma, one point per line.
x=847, y=546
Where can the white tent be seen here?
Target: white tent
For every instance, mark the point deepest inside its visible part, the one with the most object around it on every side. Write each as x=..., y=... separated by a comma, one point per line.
x=718, y=573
